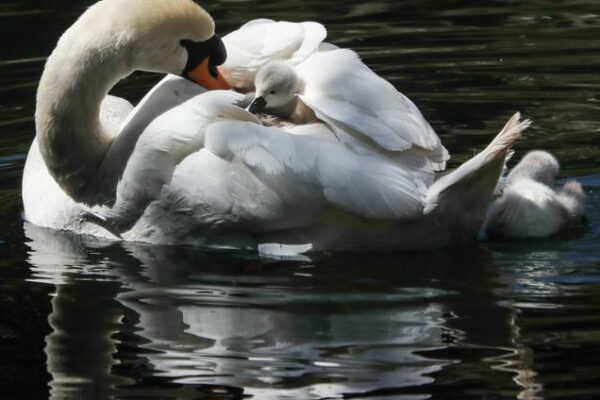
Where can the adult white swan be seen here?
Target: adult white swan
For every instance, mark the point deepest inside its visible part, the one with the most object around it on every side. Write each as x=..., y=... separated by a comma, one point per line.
x=192, y=169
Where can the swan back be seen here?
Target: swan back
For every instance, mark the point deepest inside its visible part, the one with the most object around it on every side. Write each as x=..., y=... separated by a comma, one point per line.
x=370, y=185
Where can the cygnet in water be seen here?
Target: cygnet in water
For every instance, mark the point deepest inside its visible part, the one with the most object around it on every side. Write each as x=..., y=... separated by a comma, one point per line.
x=530, y=206
x=277, y=88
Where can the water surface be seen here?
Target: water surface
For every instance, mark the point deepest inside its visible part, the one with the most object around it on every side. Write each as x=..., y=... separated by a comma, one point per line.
x=81, y=319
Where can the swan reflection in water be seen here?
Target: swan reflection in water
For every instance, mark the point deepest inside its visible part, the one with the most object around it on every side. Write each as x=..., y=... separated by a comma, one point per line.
x=132, y=320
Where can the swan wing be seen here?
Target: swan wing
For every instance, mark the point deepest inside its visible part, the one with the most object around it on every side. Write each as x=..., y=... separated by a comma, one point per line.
x=169, y=93
x=344, y=92
x=164, y=143
x=366, y=184
x=263, y=40
x=114, y=112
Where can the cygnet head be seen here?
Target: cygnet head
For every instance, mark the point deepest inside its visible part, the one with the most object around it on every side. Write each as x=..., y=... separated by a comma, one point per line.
x=277, y=85
x=538, y=165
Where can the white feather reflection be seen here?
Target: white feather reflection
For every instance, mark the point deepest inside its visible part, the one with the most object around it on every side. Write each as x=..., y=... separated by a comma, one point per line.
x=238, y=324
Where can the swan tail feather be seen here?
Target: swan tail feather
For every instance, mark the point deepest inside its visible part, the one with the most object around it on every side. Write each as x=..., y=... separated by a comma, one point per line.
x=509, y=134
x=465, y=193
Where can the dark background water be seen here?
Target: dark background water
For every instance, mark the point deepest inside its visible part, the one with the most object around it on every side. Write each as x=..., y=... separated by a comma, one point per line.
x=493, y=320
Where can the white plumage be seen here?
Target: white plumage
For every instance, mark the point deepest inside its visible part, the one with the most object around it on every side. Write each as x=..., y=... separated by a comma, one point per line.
x=189, y=166
x=369, y=185
x=530, y=206
x=259, y=41
x=342, y=89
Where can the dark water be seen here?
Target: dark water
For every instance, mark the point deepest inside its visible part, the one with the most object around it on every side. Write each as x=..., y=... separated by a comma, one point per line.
x=493, y=320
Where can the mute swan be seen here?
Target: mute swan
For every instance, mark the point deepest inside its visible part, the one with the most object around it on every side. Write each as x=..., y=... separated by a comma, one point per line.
x=530, y=206
x=190, y=166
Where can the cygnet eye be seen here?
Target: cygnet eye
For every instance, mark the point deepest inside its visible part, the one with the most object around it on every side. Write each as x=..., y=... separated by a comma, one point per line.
x=273, y=91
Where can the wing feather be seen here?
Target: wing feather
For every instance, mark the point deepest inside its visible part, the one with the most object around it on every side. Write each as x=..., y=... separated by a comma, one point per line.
x=260, y=41
x=369, y=185
x=343, y=90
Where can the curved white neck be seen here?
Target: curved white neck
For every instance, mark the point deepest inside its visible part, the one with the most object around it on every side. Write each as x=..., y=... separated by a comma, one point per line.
x=76, y=78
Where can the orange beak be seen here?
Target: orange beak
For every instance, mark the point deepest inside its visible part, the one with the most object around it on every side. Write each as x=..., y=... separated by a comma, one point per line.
x=201, y=75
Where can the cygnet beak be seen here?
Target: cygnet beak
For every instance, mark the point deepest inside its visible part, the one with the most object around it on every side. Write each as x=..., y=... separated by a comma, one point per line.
x=258, y=104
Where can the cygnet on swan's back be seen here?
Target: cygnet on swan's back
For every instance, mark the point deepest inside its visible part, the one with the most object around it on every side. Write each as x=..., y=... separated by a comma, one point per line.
x=530, y=206
x=277, y=88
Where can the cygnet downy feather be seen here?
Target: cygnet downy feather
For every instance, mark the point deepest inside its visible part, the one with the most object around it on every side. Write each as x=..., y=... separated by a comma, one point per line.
x=530, y=206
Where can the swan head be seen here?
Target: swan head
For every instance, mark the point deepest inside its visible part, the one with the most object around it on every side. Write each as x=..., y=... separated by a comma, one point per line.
x=277, y=85
x=537, y=165
x=112, y=39
x=175, y=36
